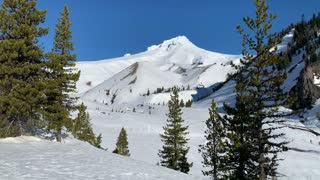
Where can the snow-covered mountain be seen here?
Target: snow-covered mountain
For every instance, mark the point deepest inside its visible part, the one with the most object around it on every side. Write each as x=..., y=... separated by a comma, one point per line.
x=175, y=62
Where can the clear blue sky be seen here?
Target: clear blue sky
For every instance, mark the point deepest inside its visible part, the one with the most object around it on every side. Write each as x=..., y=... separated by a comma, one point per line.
x=110, y=28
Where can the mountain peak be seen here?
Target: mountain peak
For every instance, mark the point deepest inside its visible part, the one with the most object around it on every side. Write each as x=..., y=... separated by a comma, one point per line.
x=178, y=40
x=169, y=44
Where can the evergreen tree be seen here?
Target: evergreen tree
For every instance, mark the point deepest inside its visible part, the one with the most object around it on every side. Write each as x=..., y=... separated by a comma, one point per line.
x=62, y=77
x=181, y=103
x=122, y=144
x=82, y=129
x=214, y=150
x=189, y=103
x=252, y=149
x=21, y=67
x=175, y=149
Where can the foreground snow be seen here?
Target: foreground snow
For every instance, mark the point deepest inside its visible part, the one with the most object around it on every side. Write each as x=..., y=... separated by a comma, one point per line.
x=32, y=158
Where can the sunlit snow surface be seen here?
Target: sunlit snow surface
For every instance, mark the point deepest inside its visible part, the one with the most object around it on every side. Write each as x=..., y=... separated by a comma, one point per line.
x=28, y=158
x=144, y=141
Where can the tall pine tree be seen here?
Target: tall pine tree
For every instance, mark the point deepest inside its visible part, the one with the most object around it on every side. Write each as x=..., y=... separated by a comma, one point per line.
x=21, y=67
x=214, y=150
x=122, y=144
x=253, y=142
x=175, y=149
x=62, y=77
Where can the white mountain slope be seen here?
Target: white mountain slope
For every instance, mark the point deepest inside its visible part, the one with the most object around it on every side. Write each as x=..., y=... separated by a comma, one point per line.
x=131, y=83
x=29, y=158
x=174, y=62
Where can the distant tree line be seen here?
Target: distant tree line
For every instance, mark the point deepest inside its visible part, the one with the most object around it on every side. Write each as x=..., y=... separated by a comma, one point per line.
x=166, y=90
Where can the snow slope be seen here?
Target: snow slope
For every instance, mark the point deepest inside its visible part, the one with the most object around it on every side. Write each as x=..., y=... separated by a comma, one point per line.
x=144, y=141
x=31, y=158
x=175, y=62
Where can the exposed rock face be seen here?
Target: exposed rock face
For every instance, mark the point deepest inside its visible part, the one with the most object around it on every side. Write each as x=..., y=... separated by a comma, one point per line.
x=307, y=91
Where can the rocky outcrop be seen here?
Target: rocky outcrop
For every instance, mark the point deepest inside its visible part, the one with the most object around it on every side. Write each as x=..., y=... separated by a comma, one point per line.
x=307, y=91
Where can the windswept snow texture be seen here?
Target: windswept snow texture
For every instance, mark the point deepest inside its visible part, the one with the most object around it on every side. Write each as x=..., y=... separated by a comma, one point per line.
x=27, y=158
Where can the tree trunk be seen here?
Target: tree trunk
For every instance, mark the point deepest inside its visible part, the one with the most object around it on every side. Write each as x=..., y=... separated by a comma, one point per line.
x=262, y=165
x=58, y=135
x=19, y=132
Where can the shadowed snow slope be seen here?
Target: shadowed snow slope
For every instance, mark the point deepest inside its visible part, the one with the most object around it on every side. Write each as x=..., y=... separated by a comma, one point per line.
x=29, y=158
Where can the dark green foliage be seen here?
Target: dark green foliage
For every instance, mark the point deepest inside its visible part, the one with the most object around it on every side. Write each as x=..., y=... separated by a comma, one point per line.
x=98, y=141
x=159, y=90
x=252, y=149
x=306, y=36
x=184, y=165
x=214, y=150
x=82, y=129
x=21, y=67
x=189, y=103
x=8, y=129
x=62, y=77
x=175, y=149
x=122, y=144
x=181, y=103
x=307, y=41
x=36, y=88
x=62, y=53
